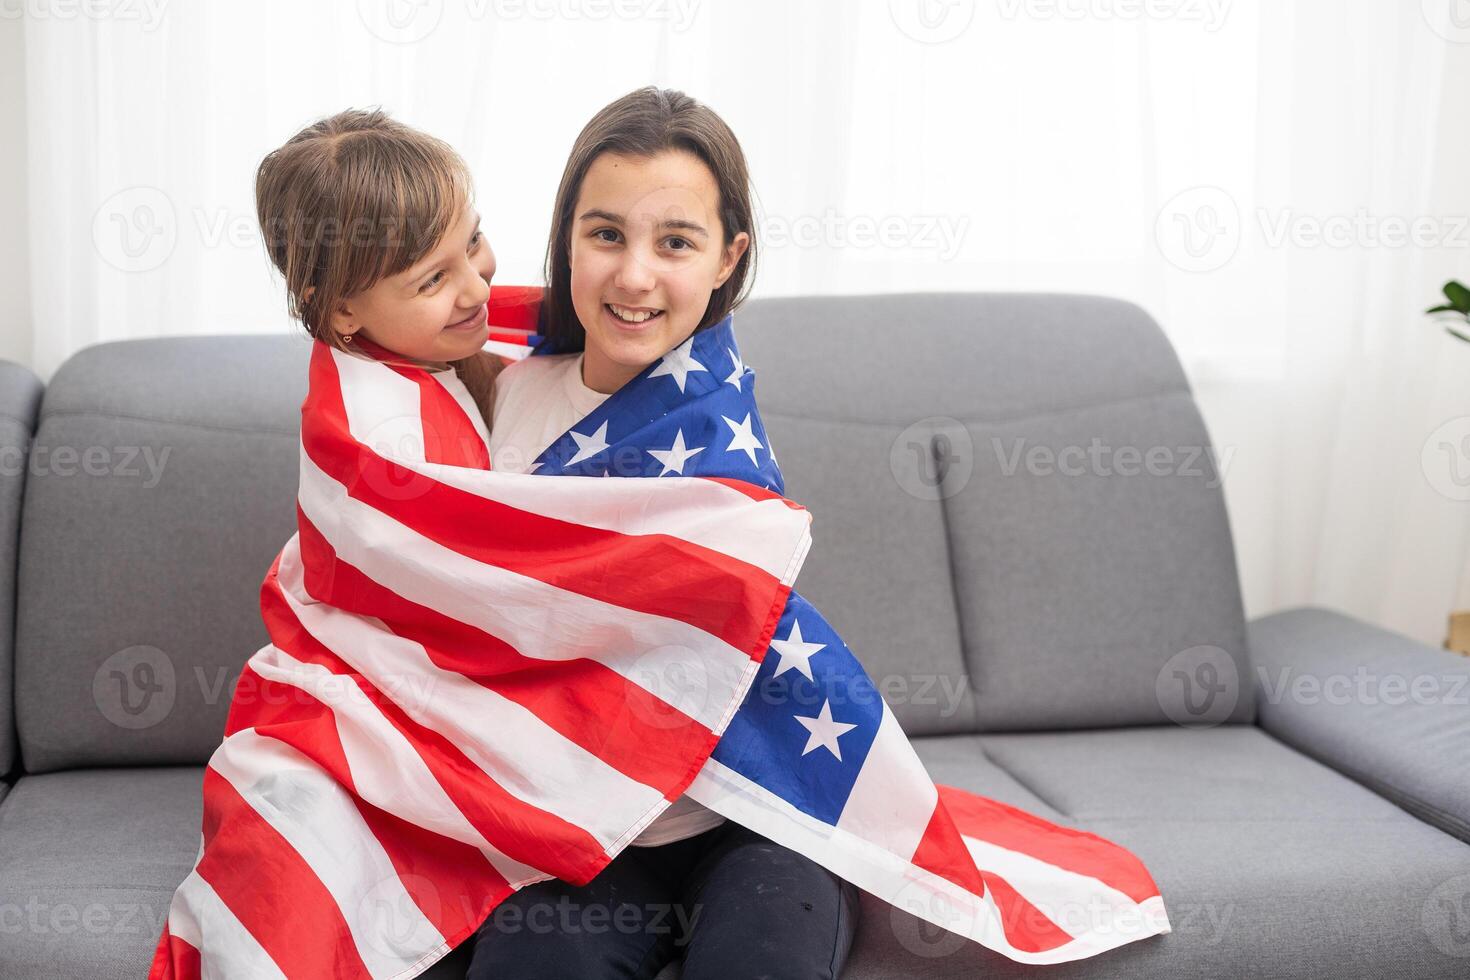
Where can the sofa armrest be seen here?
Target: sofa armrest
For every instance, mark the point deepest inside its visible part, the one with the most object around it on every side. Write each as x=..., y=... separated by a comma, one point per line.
x=1382, y=709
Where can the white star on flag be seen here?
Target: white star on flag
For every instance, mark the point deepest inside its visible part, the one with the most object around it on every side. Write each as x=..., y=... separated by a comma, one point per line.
x=737, y=375
x=796, y=652
x=588, y=446
x=679, y=363
x=743, y=438
x=824, y=731
x=674, y=458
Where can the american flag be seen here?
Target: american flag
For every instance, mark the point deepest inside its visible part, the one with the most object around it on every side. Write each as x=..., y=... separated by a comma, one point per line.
x=480, y=680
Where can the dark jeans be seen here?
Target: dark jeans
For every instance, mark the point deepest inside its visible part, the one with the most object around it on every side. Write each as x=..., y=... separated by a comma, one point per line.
x=734, y=904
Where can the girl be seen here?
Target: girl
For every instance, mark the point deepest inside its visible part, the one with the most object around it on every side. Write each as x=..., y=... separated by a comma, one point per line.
x=651, y=241
x=372, y=225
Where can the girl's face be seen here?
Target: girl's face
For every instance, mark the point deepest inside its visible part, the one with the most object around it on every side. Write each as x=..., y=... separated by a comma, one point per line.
x=647, y=250
x=433, y=312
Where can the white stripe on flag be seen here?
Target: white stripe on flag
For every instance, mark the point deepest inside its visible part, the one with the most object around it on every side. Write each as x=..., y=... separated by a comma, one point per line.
x=668, y=658
x=227, y=950
x=510, y=743
x=387, y=771
x=893, y=798
x=383, y=408
x=320, y=822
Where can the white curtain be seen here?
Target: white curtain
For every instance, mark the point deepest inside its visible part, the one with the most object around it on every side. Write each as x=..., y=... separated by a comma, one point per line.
x=1182, y=154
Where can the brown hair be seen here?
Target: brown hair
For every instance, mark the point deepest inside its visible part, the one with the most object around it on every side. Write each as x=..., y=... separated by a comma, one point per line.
x=349, y=200
x=644, y=123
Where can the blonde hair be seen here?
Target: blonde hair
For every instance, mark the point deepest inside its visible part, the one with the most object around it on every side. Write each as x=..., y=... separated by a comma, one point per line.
x=350, y=200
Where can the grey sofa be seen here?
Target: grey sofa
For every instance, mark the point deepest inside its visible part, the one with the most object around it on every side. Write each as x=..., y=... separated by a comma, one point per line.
x=1059, y=630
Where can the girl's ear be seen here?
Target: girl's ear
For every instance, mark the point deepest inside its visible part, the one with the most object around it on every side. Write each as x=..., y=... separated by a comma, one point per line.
x=342, y=321
x=731, y=258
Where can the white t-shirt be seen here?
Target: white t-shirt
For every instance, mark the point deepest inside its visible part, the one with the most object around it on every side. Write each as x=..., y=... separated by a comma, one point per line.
x=536, y=400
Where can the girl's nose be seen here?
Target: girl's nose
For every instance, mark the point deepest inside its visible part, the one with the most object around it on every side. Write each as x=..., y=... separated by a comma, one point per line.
x=634, y=274
x=476, y=292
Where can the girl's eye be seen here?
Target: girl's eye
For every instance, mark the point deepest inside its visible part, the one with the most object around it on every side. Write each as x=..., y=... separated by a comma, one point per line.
x=605, y=235
x=475, y=241
x=684, y=244
x=433, y=281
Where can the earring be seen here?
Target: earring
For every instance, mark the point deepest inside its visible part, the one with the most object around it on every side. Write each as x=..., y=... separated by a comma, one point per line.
x=347, y=338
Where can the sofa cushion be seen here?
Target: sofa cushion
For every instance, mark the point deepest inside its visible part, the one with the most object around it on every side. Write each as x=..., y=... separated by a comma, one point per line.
x=1270, y=863
x=1073, y=600
x=20, y=397
x=140, y=573
x=89, y=861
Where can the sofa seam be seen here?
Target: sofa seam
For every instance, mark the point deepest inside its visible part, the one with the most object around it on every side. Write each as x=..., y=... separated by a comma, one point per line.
x=1005, y=420
x=205, y=426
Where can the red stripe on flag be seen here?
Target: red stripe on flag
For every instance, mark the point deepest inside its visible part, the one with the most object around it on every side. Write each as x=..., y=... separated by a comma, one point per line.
x=449, y=435
x=514, y=307
x=281, y=902
x=1072, y=850
x=174, y=959
x=608, y=715
x=522, y=831
x=650, y=573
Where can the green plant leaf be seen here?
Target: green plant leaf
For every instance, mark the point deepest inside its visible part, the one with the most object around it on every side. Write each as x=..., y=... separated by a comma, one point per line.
x=1458, y=296
x=1458, y=334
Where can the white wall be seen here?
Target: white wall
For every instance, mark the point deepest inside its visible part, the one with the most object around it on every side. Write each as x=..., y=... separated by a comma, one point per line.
x=15, y=308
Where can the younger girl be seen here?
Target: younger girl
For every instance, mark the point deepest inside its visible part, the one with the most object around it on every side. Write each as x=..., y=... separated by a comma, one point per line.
x=651, y=241
x=372, y=225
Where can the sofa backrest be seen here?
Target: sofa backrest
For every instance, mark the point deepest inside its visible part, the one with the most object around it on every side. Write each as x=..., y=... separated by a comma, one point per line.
x=164, y=483
x=1072, y=564
x=1001, y=592
x=20, y=397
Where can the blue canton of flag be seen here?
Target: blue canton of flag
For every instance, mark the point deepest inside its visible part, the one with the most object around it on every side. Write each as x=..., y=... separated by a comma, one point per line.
x=805, y=727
